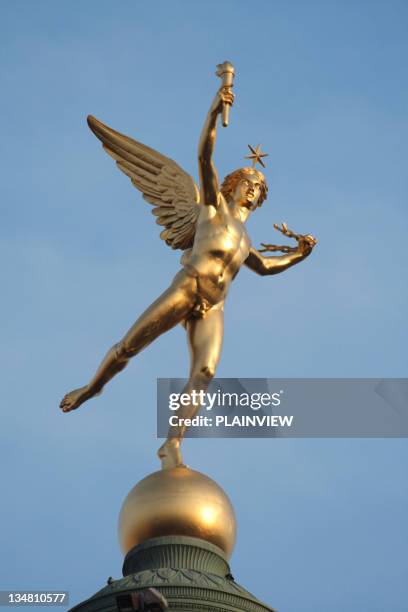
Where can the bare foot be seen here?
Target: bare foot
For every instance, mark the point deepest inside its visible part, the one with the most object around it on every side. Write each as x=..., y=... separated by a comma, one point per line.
x=170, y=455
x=74, y=399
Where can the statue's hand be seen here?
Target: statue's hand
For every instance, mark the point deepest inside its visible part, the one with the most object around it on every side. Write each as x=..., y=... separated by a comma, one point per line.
x=223, y=96
x=306, y=243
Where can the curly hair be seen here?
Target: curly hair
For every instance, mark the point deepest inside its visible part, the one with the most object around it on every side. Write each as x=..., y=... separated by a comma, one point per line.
x=231, y=181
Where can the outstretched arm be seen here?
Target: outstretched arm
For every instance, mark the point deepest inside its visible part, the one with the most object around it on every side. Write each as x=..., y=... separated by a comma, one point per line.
x=273, y=265
x=207, y=170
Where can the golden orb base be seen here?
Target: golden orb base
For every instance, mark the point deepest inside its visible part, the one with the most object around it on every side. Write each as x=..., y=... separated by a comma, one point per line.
x=177, y=502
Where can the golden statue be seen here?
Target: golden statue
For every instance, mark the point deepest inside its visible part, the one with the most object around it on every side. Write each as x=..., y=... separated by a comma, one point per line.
x=208, y=224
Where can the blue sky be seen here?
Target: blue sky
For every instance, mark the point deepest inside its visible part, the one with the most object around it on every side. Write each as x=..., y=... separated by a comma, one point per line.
x=322, y=85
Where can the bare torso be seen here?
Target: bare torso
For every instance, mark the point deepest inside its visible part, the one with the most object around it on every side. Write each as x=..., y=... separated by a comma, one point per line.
x=220, y=248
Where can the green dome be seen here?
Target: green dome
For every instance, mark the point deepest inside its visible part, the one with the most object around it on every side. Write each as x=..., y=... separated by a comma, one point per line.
x=190, y=573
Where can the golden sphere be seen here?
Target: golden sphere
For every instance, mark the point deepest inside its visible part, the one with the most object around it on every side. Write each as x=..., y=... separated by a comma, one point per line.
x=177, y=501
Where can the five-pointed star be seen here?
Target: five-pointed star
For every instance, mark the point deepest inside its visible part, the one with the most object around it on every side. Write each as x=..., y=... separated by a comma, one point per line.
x=257, y=155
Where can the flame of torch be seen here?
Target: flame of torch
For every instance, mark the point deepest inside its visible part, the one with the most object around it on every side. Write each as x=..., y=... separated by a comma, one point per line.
x=226, y=72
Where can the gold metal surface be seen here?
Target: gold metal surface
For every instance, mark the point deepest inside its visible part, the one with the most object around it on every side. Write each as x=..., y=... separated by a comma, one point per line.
x=177, y=501
x=256, y=156
x=226, y=72
x=209, y=225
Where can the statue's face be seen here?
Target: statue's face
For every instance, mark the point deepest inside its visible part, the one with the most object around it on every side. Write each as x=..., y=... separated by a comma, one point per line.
x=247, y=191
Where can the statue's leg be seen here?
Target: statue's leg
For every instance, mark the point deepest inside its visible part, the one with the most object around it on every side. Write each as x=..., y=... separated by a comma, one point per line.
x=205, y=342
x=167, y=311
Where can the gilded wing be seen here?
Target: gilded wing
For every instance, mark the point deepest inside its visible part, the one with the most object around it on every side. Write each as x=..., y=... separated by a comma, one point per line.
x=164, y=184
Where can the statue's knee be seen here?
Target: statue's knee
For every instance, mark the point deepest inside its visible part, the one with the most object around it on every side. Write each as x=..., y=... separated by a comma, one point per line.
x=121, y=351
x=207, y=373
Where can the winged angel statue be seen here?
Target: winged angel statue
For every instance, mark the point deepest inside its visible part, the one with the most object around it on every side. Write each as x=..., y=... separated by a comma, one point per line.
x=208, y=224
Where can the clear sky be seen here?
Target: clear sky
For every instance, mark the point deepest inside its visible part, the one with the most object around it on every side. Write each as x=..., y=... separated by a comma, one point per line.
x=322, y=85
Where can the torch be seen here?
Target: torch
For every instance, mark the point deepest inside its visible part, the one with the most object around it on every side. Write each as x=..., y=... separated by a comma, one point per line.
x=226, y=72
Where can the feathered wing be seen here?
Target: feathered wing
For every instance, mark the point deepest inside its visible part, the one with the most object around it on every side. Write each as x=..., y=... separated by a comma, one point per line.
x=164, y=184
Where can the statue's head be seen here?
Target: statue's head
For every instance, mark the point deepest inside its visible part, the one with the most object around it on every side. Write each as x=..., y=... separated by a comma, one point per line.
x=246, y=186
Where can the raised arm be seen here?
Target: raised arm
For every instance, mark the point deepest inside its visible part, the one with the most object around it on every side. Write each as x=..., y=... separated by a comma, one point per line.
x=207, y=171
x=278, y=263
